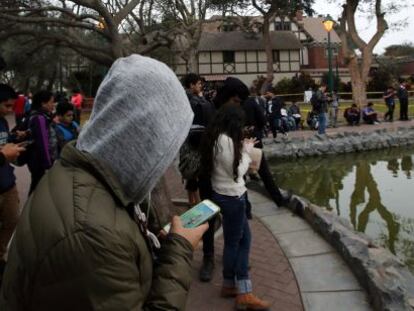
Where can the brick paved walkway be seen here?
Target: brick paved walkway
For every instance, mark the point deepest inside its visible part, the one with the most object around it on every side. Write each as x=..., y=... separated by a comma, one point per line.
x=271, y=274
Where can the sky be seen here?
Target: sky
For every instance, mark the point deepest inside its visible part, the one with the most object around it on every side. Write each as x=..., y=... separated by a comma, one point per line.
x=367, y=28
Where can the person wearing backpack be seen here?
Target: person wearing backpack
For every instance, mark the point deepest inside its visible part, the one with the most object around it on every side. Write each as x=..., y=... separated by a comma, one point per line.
x=319, y=102
x=9, y=198
x=43, y=152
x=66, y=129
x=198, y=186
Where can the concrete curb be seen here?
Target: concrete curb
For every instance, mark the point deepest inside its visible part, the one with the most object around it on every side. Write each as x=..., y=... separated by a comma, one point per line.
x=389, y=283
x=340, y=143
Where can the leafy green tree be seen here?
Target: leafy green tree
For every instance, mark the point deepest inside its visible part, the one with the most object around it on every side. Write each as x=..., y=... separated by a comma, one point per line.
x=398, y=50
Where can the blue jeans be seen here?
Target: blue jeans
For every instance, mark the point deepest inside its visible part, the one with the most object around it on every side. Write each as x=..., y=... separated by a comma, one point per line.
x=322, y=123
x=237, y=241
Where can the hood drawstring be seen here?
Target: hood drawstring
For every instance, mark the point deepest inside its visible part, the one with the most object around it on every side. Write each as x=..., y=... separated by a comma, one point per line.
x=141, y=219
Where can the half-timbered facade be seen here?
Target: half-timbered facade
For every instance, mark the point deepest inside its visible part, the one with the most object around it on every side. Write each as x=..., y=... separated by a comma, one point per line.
x=298, y=44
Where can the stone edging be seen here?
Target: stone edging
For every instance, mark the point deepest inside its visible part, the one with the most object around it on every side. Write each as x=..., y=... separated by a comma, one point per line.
x=340, y=143
x=389, y=283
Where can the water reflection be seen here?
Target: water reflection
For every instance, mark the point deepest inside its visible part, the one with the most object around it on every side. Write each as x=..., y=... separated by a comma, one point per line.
x=407, y=165
x=369, y=189
x=365, y=181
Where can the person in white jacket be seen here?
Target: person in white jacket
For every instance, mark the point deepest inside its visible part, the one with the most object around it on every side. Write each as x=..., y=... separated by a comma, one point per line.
x=226, y=159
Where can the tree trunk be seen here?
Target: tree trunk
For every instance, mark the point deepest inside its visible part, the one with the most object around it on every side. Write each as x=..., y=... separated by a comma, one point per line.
x=40, y=80
x=192, y=60
x=269, y=52
x=26, y=87
x=116, y=45
x=359, y=92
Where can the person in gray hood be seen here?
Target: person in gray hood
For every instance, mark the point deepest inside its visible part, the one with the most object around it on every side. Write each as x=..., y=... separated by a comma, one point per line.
x=82, y=242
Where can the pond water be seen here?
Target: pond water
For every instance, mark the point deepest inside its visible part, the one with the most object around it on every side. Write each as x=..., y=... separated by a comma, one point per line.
x=374, y=190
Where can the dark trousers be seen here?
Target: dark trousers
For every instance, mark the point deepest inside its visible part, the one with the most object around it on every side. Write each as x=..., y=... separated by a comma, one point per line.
x=371, y=118
x=404, y=109
x=77, y=115
x=390, y=113
x=9, y=215
x=19, y=118
x=273, y=127
x=237, y=237
x=205, y=189
x=268, y=181
x=37, y=175
x=352, y=120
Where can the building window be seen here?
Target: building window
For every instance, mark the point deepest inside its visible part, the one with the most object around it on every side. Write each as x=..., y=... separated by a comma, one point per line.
x=276, y=56
x=228, y=57
x=228, y=27
x=283, y=25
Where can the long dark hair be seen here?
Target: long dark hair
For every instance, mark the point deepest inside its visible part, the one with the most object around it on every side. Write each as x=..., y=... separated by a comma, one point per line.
x=228, y=120
x=40, y=98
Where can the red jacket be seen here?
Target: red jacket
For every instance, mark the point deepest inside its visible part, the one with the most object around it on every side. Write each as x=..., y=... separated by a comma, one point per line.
x=77, y=100
x=19, y=105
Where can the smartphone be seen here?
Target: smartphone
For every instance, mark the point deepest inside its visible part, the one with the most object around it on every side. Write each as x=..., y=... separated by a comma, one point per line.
x=25, y=143
x=197, y=215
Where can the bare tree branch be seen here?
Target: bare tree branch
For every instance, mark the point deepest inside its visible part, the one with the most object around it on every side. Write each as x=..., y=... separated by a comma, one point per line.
x=123, y=13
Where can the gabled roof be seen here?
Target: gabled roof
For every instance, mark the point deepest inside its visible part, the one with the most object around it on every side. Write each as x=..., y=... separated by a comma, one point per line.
x=314, y=27
x=240, y=41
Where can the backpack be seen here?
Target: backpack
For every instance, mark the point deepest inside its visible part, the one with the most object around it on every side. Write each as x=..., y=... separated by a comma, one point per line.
x=316, y=104
x=190, y=156
x=24, y=126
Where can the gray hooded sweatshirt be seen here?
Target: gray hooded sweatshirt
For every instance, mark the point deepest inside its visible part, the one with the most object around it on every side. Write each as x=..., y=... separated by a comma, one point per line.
x=141, y=117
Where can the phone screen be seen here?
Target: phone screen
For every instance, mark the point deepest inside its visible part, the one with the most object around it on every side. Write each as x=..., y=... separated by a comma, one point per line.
x=197, y=215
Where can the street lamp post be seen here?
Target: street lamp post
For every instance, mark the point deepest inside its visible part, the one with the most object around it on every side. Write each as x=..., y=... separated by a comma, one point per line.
x=337, y=78
x=329, y=23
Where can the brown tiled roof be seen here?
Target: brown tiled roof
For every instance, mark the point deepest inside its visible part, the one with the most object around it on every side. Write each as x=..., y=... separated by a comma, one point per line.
x=240, y=41
x=314, y=27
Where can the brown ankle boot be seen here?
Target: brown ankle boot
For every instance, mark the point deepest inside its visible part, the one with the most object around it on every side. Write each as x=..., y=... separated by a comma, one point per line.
x=249, y=302
x=228, y=292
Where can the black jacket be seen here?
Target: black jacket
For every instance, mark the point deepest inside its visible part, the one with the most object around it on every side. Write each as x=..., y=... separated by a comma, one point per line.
x=203, y=114
x=402, y=93
x=202, y=108
x=7, y=178
x=255, y=115
x=276, y=107
x=319, y=102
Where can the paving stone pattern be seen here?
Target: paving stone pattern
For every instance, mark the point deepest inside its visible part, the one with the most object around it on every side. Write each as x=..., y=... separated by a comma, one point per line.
x=272, y=276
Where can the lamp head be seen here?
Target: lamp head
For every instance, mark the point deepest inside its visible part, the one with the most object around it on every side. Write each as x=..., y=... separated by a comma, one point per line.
x=328, y=23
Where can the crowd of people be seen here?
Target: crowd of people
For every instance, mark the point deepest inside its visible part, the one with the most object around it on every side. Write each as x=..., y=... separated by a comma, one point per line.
x=84, y=237
x=369, y=115
x=37, y=139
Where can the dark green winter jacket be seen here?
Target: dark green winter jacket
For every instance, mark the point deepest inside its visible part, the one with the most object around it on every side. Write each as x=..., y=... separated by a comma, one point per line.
x=77, y=248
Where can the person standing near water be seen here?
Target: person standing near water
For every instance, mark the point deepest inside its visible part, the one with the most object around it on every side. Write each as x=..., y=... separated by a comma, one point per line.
x=390, y=103
x=226, y=159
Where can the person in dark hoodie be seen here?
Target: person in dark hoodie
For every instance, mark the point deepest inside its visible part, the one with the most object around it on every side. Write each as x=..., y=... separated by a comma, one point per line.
x=199, y=188
x=9, y=198
x=43, y=152
x=82, y=242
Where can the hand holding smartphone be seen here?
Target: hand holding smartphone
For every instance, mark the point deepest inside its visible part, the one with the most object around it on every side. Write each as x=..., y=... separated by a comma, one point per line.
x=25, y=143
x=197, y=215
